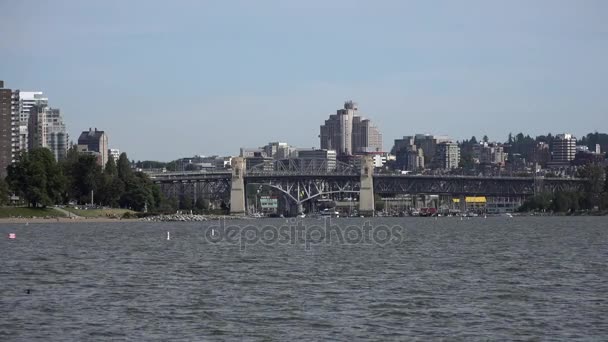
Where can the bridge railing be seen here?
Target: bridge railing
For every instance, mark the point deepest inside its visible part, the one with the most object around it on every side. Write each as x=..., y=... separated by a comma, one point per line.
x=302, y=166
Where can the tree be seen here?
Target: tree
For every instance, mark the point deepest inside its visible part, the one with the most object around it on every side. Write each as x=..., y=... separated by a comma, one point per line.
x=186, y=203
x=485, y=138
x=473, y=140
x=510, y=138
x=84, y=177
x=37, y=178
x=202, y=204
x=595, y=176
x=110, y=169
x=124, y=167
x=466, y=161
x=139, y=192
x=606, y=180
x=4, y=192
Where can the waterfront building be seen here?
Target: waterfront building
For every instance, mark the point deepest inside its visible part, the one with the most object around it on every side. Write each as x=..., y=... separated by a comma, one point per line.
x=348, y=133
x=95, y=141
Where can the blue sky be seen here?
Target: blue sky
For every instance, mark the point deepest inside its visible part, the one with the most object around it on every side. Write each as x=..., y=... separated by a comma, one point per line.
x=168, y=79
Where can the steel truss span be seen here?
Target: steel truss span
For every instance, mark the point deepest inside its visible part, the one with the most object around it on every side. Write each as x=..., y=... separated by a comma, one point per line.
x=302, y=189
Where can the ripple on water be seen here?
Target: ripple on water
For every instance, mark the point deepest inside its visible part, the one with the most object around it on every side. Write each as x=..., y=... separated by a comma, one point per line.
x=492, y=279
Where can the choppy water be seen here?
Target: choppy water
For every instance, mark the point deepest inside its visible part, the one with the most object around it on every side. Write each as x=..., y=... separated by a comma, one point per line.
x=446, y=279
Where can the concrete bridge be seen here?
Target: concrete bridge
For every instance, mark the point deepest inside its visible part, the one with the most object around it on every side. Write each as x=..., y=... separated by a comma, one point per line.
x=302, y=180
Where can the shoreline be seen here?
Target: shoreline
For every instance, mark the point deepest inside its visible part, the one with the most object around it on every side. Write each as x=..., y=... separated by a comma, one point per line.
x=9, y=220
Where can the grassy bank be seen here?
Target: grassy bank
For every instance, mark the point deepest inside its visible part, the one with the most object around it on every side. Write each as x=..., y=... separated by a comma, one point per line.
x=99, y=212
x=7, y=212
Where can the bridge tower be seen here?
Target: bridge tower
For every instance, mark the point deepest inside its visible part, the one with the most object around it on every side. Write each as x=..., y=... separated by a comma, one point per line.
x=366, y=195
x=237, y=188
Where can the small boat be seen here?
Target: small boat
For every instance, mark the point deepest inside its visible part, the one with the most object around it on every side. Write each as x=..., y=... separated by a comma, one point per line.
x=330, y=213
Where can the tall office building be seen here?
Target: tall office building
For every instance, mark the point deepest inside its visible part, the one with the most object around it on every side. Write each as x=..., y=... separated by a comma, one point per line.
x=47, y=129
x=564, y=148
x=348, y=133
x=94, y=141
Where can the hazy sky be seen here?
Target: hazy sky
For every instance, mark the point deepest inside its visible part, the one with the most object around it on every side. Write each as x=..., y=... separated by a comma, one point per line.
x=168, y=79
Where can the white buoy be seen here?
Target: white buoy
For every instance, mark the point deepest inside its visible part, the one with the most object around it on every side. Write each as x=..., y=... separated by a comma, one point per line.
x=212, y=232
x=168, y=236
x=12, y=236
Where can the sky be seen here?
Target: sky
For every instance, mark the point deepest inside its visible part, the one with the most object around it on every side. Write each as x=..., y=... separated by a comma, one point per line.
x=170, y=79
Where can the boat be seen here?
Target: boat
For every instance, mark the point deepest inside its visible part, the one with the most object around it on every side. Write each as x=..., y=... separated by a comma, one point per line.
x=330, y=213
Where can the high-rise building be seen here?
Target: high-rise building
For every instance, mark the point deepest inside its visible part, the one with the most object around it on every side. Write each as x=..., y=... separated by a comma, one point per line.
x=27, y=100
x=489, y=153
x=316, y=159
x=564, y=148
x=94, y=141
x=403, y=144
x=428, y=144
x=447, y=155
x=348, y=133
x=409, y=157
x=279, y=150
x=6, y=128
x=47, y=129
x=114, y=153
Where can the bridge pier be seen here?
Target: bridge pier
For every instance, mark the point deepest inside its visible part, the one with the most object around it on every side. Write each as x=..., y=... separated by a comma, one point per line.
x=237, y=187
x=366, y=194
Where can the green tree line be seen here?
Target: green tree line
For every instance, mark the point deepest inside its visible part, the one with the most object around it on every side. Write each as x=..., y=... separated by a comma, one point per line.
x=594, y=195
x=41, y=181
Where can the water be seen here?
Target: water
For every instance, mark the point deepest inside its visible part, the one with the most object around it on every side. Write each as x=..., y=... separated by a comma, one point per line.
x=480, y=279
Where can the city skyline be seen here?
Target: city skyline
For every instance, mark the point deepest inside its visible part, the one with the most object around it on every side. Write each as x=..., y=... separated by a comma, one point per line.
x=210, y=78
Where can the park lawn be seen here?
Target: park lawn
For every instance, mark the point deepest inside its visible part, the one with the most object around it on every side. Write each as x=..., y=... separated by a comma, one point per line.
x=6, y=212
x=99, y=212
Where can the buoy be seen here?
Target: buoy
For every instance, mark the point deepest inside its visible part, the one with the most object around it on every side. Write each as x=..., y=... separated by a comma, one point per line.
x=12, y=236
x=168, y=236
x=212, y=232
